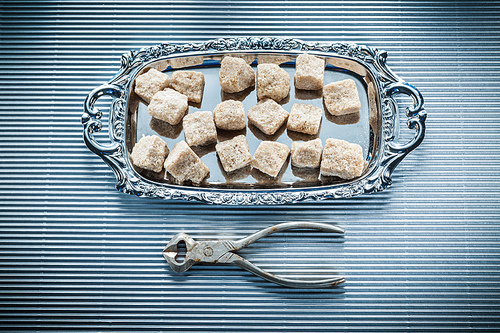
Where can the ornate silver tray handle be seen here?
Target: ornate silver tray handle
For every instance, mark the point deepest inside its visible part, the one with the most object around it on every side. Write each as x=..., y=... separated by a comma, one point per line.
x=383, y=150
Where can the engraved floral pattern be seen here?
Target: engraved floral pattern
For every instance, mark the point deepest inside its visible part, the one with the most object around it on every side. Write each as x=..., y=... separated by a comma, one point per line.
x=377, y=180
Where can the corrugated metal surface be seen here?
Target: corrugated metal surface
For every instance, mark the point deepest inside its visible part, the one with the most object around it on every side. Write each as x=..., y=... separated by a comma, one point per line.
x=78, y=255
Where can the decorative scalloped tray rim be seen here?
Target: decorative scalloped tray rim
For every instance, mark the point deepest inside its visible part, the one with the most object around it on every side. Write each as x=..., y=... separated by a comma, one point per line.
x=376, y=179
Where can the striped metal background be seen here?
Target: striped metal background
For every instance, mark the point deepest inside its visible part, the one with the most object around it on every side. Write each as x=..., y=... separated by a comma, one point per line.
x=75, y=254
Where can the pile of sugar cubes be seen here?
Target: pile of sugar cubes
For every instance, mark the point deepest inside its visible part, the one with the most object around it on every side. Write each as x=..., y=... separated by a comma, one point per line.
x=168, y=99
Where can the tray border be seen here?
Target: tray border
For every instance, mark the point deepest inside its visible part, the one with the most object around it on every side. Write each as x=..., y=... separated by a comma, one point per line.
x=376, y=180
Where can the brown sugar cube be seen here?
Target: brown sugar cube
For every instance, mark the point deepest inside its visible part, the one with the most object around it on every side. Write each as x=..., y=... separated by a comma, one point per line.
x=307, y=154
x=183, y=164
x=149, y=83
x=268, y=116
x=342, y=159
x=272, y=82
x=234, y=153
x=199, y=128
x=189, y=83
x=235, y=75
x=341, y=97
x=305, y=118
x=230, y=115
x=149, y=153
x=270, y=157
x=168, y=105
x=309, y=72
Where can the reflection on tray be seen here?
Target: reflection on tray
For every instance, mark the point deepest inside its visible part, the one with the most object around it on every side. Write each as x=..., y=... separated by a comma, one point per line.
x=165, y=129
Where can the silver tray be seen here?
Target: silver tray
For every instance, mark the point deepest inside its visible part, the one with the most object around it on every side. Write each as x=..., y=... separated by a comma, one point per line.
x=375, y=128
